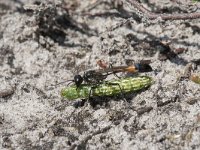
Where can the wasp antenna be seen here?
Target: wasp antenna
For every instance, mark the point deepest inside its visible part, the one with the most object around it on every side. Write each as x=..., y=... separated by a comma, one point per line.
x=70, y=81
x=143, y=67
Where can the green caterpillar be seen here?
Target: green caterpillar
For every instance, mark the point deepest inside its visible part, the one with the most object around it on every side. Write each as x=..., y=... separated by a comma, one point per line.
x=109, y=88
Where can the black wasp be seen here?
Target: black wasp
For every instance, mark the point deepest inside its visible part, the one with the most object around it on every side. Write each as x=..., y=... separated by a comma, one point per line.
x=99, y=75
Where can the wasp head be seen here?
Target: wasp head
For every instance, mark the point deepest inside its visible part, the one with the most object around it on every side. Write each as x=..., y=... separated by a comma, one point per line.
x=78, y=79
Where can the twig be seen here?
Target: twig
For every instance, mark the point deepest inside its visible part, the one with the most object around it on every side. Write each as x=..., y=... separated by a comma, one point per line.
x=6, y=92
x=143, y=110
x=153, y=16
x=87, y=138
x=192, y=100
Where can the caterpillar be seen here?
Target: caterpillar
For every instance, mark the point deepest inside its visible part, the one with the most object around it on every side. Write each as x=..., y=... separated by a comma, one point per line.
x=107, y=88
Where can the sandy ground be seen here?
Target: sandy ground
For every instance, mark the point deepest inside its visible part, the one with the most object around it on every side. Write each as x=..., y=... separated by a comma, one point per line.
x=43, y=43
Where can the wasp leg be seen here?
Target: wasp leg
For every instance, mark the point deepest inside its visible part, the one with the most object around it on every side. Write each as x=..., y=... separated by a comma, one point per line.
x=111, y=66
x=90, y=100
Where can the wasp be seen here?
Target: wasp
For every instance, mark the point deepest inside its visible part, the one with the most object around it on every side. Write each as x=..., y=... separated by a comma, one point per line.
x=99, y=75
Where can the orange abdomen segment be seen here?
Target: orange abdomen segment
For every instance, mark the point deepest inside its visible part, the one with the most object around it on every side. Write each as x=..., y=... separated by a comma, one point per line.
x=131, y=69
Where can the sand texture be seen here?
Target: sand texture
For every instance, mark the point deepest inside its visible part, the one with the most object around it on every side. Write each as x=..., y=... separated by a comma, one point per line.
x=43, y=43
